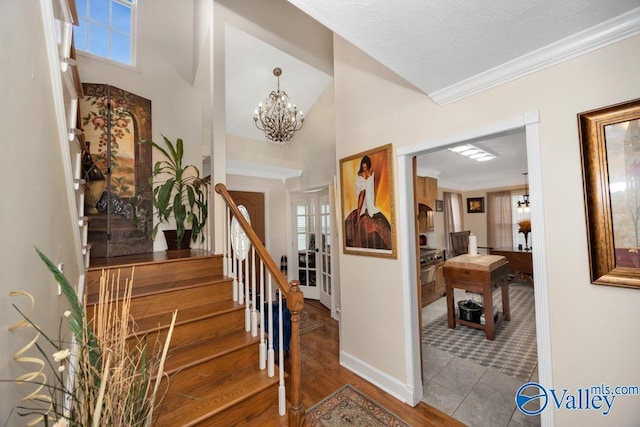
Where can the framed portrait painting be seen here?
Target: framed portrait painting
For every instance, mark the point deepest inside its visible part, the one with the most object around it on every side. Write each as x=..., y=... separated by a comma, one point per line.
x=610, y=151
x=366, y=188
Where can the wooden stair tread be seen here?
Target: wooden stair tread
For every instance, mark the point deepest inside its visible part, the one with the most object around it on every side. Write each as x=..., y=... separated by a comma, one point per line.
x=158, y=288
x=163, y=320
x=98, y=264
x=211, y=375
x=208, y=400
x=195, y=353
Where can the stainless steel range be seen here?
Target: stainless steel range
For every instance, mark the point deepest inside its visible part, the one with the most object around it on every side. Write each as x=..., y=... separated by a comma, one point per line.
x=431, y=256
x=429, y=259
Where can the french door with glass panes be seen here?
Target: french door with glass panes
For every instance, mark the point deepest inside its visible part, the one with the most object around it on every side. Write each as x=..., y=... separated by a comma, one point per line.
x=313, y=244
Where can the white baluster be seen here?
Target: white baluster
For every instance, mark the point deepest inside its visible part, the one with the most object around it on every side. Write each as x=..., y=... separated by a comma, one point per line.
x=77, y=168
x=85, y=233
x=282, y=398
x=263, y=346
x=236, y=295
x=226, y=259
x=209, y=223
x=229, y=258
x=240, y=283
x=247, y=309
x=254, y=313
x=270, y=352
x=81, y=204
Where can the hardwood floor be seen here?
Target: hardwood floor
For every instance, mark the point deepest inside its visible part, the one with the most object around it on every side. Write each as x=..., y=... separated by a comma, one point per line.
x=322, y=375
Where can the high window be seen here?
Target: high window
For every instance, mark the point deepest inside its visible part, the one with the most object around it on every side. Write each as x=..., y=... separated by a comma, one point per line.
x=107, y=29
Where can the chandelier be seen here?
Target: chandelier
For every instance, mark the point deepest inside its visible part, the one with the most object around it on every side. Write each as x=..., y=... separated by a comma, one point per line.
x=523, y=205
x=277, y=118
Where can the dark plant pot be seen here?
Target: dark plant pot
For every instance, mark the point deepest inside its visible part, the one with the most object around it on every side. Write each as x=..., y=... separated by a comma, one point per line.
x=171, y=236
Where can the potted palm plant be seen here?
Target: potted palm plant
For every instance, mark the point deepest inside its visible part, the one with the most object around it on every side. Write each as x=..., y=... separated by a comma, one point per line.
x=178, y=192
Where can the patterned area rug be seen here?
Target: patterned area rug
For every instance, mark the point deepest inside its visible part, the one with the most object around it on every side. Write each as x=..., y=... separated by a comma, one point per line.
x=309, y=321
x=350, y=407
x=514, y=350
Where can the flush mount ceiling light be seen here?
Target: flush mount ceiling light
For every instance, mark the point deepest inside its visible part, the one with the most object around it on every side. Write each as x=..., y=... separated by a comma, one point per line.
x=472, y=152
x=278, y=118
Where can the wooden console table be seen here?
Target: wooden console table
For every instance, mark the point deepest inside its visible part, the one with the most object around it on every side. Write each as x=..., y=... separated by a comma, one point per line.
x=481, y=274
x=520, y=262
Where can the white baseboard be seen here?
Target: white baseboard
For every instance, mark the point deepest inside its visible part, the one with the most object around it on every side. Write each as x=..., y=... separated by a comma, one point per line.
x=388, y=384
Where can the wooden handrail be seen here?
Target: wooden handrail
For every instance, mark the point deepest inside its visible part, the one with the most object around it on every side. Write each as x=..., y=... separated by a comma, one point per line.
x=295, y=304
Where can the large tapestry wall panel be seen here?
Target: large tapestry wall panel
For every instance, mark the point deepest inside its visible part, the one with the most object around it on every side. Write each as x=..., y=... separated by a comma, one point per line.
x=116, y=170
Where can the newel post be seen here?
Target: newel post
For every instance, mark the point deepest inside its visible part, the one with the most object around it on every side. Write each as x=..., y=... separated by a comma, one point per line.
x=295, y=304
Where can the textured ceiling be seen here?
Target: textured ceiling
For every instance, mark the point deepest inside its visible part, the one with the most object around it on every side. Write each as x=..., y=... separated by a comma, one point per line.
x=439, y=43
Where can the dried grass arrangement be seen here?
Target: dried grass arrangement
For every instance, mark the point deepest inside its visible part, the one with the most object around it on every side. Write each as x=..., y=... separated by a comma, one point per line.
x=105, y=376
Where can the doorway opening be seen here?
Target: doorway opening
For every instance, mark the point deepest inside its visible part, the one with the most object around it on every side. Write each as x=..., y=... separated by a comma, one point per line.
x=530, y=123
x=512, y=354
x=314, y=241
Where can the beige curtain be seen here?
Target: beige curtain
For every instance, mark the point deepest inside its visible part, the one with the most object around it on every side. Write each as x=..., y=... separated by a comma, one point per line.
x=453, y=219
x=499, y=222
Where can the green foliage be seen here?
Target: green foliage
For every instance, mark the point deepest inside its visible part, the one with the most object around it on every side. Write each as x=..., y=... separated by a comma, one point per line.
x=178, y=190
x=77, y=322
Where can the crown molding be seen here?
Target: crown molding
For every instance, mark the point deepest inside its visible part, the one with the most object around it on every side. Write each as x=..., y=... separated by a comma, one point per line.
x=427, y=172
x=237, y=167
x=614, y=30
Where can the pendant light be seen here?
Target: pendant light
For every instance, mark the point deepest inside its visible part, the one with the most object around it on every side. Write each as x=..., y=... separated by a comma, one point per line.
x=523, y=205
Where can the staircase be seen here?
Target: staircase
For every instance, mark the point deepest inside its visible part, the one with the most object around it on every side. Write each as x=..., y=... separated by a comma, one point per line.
x=212, y=365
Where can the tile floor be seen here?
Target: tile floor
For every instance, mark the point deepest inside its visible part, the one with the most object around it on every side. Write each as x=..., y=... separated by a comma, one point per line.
x=476, y=395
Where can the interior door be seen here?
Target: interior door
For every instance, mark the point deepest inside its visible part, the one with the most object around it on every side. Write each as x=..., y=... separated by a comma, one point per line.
x=254, y=203
x=313, y=241
x=306, y=228
x=326, y=283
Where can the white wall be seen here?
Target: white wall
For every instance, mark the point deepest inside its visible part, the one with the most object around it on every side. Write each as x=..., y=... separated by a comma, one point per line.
x=35, y=209
x=316, y=144
x=476, y=222
x=594, y=328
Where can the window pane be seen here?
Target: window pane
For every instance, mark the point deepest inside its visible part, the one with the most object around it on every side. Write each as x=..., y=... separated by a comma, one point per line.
x=120, y=48
x=106, y=28
x=80, y=36
x=99, y=11
x=82, y=7
x=99, y=40
x=121, y=18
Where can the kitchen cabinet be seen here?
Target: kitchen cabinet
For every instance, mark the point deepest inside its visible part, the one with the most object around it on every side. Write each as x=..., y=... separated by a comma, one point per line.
x=427, y=191
x=433, y=287
x=425, y=218
x=426, y=194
